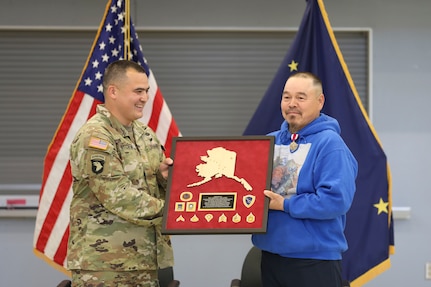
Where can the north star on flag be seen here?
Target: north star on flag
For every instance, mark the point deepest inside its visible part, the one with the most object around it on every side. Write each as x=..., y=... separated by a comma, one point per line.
x=52, y=221
x=369, y=229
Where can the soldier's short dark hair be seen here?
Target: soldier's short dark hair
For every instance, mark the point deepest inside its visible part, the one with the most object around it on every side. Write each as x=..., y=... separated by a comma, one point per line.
x=117, y=70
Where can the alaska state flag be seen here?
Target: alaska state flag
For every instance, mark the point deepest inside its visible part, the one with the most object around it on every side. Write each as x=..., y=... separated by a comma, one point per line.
x=369, y=229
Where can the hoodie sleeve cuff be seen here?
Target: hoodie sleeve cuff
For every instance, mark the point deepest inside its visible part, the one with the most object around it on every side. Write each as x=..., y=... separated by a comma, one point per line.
x=286, y=205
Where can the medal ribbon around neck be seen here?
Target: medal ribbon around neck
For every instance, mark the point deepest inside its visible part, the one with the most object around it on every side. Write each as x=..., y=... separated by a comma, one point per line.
x=293, y=145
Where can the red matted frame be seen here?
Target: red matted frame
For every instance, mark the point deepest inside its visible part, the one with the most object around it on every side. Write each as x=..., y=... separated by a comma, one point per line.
x=216, y=185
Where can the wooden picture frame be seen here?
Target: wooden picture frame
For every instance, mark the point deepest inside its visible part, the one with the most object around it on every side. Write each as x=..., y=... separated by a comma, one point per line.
x=216, y=185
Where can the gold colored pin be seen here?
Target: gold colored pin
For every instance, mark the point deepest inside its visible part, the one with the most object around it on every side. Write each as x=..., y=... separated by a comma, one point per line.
x=209, y=217
x=180, y=218
x=194, y=218
x=222, y=218
x=251, y=218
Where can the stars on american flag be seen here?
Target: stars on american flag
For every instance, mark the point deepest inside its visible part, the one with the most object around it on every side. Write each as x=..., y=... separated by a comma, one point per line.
x=109, y=47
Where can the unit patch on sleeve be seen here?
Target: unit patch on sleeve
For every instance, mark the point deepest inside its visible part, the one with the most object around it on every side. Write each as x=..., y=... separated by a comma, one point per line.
x=97, y=163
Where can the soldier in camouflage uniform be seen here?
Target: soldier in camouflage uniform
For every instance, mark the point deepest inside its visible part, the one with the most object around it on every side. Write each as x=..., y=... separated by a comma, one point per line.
x=119, y=178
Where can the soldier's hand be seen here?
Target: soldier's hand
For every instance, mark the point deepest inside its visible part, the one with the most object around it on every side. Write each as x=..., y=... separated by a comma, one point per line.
x=276, y=201
x=164, y=167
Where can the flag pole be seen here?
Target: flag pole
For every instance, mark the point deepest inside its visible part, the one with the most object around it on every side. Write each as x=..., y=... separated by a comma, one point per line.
x=51, y=232
x=127, y=30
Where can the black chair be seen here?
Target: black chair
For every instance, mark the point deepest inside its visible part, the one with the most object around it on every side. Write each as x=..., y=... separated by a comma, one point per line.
x=65, y=283
x=250, y=273
x=166, y=279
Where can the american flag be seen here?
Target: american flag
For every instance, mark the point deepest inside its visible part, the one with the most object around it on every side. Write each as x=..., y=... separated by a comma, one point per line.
x=52, y=222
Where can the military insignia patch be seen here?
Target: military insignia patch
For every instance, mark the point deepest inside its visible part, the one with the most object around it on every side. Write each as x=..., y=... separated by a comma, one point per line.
x=179, y=206
x=248, y=200
x=98, y=143
x=251, y=218
x=97, y=163
x=236, y=218
x=209, y=217
x=186, y=196
x=180, y=218
x=222, y=218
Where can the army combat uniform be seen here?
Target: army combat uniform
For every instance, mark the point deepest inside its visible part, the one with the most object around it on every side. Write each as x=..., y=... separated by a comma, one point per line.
x=118, y=198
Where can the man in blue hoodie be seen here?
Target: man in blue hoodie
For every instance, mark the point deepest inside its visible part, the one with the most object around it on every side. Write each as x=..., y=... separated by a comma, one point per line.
x=313, y=186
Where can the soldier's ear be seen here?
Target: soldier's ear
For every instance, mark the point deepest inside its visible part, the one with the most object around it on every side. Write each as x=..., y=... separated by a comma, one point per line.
x=112, y=92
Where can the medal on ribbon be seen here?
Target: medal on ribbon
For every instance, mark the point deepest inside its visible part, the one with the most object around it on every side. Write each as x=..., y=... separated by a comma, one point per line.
x=293, y=145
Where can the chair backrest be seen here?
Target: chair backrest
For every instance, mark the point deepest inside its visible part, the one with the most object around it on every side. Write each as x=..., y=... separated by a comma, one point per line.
x=166, y=278
x=250, y=274
x=65, y=283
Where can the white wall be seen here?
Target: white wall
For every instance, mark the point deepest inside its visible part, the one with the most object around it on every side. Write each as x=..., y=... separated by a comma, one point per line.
x=401, y=73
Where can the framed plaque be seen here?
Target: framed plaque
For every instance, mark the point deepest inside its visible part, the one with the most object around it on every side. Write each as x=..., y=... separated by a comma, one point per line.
x=216, y=185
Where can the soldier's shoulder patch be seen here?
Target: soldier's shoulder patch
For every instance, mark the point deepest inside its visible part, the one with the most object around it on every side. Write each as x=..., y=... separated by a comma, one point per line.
x=97, y=163
x=98, y=143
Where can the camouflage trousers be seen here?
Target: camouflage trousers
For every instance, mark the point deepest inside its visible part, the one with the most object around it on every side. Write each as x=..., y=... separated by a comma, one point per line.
x=89, y=278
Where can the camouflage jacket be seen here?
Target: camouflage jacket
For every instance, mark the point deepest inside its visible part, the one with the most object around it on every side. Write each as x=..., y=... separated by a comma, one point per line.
x=118, y=198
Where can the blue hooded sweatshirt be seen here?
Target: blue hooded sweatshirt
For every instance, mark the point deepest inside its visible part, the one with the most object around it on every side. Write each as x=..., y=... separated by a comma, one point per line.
x=317, y=180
